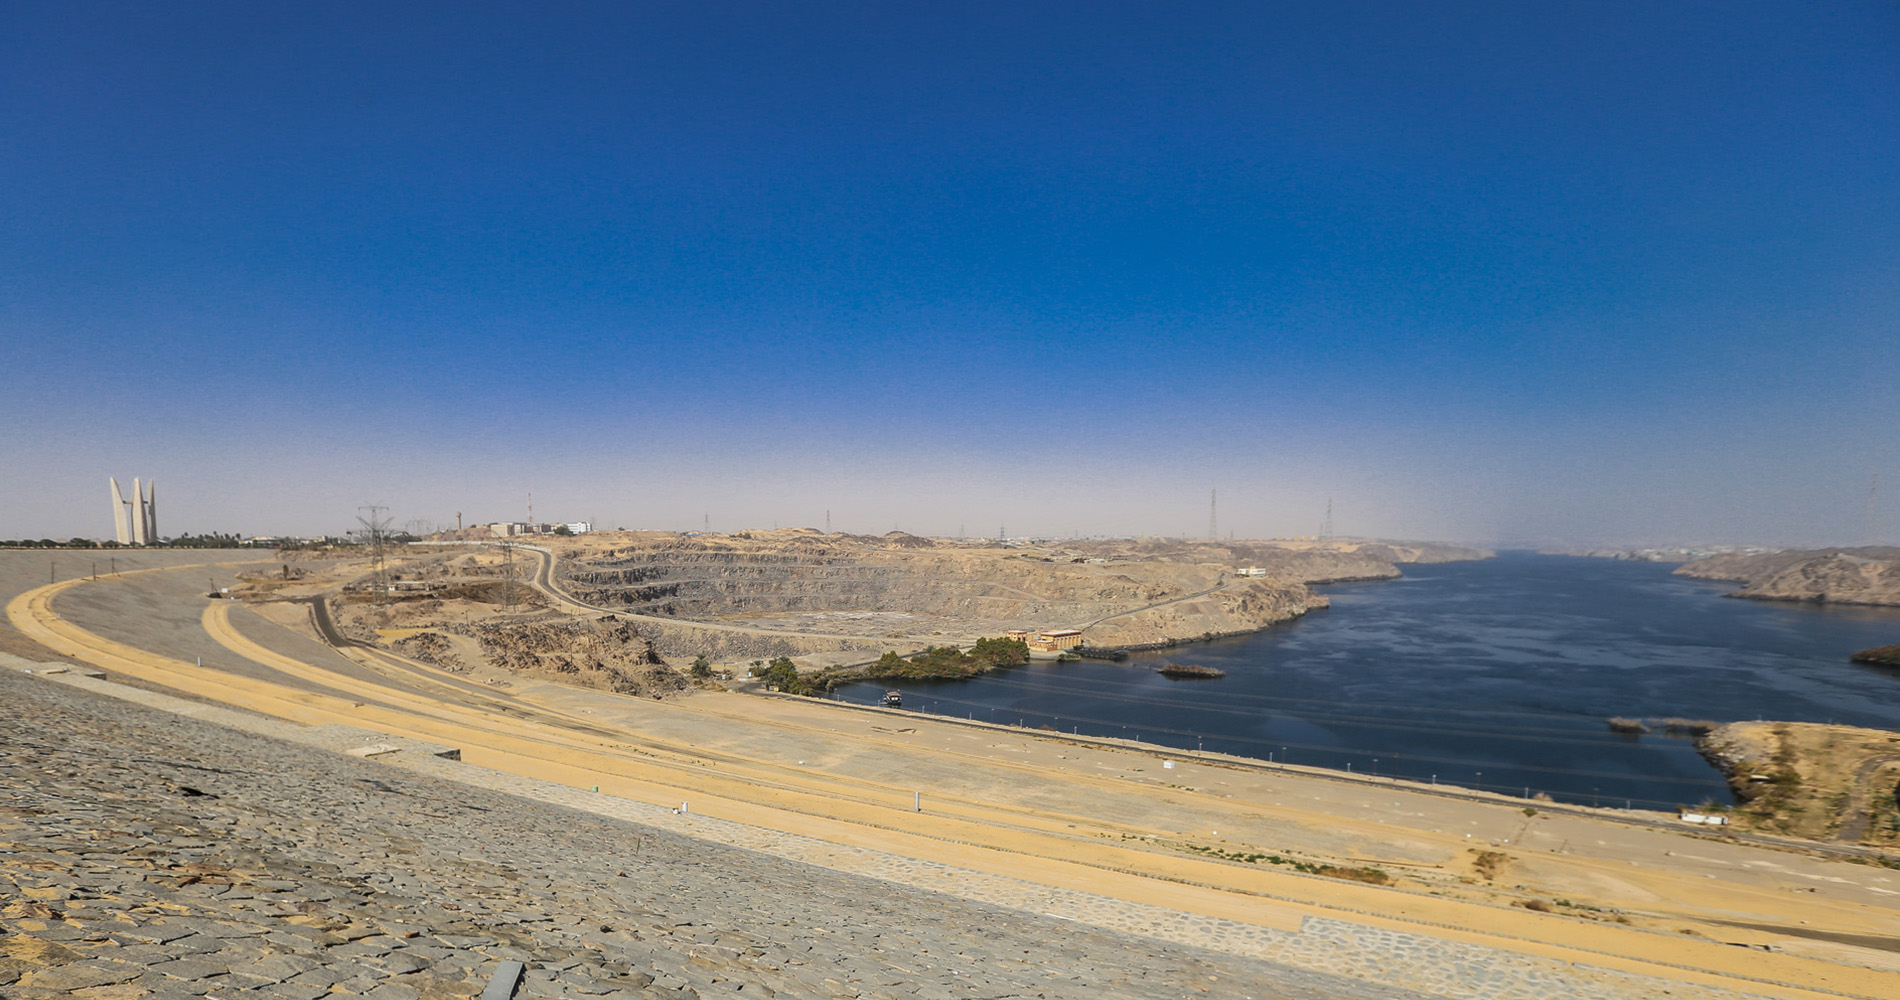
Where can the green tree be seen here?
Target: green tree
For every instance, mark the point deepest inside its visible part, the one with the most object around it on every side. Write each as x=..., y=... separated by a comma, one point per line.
x=702, y=667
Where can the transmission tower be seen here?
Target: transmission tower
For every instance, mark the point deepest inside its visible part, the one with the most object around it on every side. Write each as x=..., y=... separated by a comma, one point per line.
x=1213, y=523
x=1326, y=526
x=530, y=510
x=508, y=574
x=374, y=529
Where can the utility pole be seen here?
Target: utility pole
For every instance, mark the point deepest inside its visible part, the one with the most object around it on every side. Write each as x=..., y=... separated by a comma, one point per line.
x=1213, y=524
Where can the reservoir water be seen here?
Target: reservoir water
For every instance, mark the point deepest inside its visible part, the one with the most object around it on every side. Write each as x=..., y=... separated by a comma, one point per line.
x=1500, y=673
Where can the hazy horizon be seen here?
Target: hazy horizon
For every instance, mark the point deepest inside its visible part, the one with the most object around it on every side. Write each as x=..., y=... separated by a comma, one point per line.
x=1566, y=274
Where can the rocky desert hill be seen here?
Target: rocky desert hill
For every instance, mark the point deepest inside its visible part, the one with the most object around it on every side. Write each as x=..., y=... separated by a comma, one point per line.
x=1122, y=592
x=620, y=607
x=1825, y=782
x=1868, y=575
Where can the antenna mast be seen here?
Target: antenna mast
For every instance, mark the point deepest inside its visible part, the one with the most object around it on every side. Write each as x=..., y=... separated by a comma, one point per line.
x=1213, y=525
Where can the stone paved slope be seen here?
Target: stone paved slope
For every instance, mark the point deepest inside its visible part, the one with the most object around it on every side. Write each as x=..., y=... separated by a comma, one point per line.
x=145, y=854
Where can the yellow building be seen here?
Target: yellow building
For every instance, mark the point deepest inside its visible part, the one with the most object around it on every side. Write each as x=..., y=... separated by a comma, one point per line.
x=1049, y=644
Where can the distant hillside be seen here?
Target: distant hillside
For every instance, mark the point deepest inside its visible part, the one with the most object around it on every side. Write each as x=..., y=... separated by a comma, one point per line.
x=1867, y=575
x=870, y=589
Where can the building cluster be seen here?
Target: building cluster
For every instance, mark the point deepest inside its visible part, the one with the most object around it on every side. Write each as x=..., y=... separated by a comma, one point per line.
x=512, y=529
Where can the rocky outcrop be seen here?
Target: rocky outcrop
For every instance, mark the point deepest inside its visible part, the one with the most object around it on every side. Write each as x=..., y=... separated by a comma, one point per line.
x=1868, y=575
x=606, y=653
x=1808, y=779
x=1237, y=609
x=1880, y=656
x=430, y=647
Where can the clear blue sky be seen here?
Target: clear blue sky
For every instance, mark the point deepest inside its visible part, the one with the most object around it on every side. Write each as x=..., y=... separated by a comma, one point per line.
x=1594, y=272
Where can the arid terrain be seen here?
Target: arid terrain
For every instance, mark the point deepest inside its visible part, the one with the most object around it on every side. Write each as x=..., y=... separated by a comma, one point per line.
x=1868, y=575
x=1424, y=887
x=903, y=587
x=624, y=603
x=1811, y=780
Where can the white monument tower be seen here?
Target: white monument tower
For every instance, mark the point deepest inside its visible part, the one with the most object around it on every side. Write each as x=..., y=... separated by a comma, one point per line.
x=135, y=521
x=121, y=520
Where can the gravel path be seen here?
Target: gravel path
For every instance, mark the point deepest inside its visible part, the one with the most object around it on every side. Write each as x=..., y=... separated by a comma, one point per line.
x=147, y=854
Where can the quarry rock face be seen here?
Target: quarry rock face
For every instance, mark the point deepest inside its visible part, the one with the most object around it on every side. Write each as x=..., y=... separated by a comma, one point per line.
x=1125, y=592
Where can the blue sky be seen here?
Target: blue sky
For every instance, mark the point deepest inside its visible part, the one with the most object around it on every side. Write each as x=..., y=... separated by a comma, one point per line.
x=1589, y=273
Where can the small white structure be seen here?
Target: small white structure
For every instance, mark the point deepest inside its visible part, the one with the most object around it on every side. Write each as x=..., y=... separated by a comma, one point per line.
x=579, y=527
x=1709, y=819
x=1250, y=571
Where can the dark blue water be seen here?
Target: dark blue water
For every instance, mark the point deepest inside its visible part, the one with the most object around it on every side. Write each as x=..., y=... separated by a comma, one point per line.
x=1500, y=673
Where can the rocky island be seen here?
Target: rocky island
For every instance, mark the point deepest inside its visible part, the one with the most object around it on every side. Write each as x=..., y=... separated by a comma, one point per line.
x=1879, y=656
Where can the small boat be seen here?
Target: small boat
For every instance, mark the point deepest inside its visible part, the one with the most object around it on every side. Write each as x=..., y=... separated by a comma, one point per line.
x=1190, y=671
x=893, y=699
